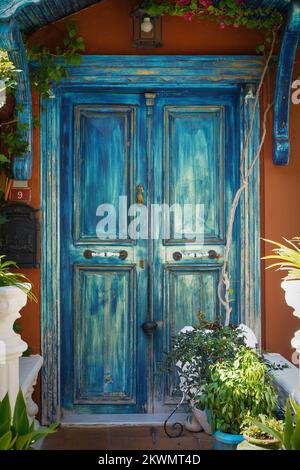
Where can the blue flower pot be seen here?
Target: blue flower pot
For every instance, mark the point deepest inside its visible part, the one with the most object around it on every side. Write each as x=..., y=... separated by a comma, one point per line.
x=224, y=441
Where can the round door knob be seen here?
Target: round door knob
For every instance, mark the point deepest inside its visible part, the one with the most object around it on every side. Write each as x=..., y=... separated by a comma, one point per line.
x=149, y=327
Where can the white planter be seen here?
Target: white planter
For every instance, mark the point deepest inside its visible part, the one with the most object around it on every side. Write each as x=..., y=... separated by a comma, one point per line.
x=292, y=295
x=292, y=298
x=12, y=300
x=201, y=417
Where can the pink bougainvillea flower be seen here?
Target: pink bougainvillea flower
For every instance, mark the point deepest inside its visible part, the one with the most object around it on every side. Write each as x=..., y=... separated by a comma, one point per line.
x=205, y=3
x=189, y=15
x=222, y=25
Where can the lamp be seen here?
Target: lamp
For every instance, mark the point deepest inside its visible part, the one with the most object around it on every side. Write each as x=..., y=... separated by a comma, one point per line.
x=147, y=30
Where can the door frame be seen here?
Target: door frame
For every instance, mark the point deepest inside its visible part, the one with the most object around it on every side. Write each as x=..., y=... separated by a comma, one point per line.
x=146, y=72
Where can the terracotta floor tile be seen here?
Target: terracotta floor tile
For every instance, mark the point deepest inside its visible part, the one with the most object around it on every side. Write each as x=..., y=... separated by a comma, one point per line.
x=124, y=438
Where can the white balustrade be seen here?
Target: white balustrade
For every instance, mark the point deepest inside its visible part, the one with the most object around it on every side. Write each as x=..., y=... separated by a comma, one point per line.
x=16, y=371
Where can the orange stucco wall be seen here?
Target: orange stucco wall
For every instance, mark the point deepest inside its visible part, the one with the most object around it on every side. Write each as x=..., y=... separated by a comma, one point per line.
x=107, y=29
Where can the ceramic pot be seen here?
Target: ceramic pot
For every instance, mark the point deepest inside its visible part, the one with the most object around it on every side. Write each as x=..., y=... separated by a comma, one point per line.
x=201, y=417
x=224, y=441
x=267, y=443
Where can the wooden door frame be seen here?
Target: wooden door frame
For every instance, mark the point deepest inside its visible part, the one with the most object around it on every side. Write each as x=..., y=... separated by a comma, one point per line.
x=147, y=72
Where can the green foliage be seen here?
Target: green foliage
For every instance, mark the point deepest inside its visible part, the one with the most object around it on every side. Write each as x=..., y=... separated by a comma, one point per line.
x=7, y=72
x=287, y=257
x=48, y=70
x=197, y=350
x=255, y=435
x=16, y=433
x=289, y=437
x=7, y=278
x=12, y=138
x=224, y=12
x=238, y=389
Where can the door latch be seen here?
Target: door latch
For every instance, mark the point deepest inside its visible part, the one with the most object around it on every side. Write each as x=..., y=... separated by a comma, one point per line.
x=140, y=194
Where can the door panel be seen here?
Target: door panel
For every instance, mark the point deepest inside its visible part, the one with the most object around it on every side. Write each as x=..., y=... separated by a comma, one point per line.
x=196, y=132
x=106, y=135
x=105, y=350
x=189, y=291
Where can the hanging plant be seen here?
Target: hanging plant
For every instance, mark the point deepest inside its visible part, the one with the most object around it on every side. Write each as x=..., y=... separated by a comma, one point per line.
x=48, y=70
x=223, y=12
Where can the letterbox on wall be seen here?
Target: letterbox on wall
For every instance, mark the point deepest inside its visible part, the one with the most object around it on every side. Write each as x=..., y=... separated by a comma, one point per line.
x=19, y=235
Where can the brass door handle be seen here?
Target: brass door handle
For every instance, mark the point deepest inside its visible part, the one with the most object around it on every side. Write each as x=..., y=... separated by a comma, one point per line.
x=139, y=194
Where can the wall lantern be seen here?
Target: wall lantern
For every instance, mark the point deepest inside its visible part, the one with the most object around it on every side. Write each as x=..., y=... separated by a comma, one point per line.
x=147, y=31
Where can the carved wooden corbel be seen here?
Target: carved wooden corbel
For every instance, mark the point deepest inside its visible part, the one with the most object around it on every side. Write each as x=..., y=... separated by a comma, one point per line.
x=11, y=40
x=289, y=42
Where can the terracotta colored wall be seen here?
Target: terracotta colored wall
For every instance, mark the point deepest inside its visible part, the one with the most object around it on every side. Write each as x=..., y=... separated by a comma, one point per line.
x=107, y=29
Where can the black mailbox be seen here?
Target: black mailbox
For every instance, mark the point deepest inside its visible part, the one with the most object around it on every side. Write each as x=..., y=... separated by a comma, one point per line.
x=19, y=235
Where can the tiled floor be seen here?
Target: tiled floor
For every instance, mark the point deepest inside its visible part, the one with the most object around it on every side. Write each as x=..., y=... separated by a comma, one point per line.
x=124, y=438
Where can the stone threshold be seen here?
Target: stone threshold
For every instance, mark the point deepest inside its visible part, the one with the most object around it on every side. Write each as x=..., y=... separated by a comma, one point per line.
x=120, y=419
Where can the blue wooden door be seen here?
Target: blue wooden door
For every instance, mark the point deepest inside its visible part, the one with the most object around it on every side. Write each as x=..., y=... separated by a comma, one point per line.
x=180, y=148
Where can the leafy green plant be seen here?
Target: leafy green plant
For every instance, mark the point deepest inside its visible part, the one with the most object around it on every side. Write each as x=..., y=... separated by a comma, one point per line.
x=224, y=12
x=194, y=352
x=47, y=69
x=289, y=437
x=16, y=433
x=237, y=389
x=257, y=436
x=287, y=257
x=8, y=278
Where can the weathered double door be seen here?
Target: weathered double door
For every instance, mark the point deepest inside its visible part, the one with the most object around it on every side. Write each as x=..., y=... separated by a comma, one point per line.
x=127, y=289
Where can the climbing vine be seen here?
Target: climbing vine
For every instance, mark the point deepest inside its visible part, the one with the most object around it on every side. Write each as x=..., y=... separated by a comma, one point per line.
x=224, y=287
x=47, y=70
x=223, y=12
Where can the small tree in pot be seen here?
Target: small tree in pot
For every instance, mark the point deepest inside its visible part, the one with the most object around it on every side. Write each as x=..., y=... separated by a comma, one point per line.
x=237, y=389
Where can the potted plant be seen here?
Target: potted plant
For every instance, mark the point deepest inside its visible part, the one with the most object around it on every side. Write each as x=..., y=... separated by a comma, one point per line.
x=289, y=433
x=257, y=438
x=12, y=283
x=194, y=351
x=287, y=259
x=237, y=388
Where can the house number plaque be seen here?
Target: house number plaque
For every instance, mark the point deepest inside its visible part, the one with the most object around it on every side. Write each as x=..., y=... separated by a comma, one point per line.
x=19, y=235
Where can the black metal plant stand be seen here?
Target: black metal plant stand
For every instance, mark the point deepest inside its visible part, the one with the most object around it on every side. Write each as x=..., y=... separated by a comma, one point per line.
x=176, y=427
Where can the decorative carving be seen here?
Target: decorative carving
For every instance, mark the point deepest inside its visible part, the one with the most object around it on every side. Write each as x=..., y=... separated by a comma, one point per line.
x=29, y=370
x=289, y=42
x=11, y=40
x=12, y=300
x=19, y=235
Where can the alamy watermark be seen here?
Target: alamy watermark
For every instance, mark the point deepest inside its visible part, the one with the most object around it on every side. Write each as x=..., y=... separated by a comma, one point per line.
x=137, y=221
